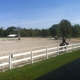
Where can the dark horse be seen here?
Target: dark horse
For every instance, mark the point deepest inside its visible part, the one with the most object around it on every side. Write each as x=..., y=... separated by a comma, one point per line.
x=64, y=43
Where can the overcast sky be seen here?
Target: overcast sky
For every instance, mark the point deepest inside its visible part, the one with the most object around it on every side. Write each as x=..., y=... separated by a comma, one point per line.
x=38, y=13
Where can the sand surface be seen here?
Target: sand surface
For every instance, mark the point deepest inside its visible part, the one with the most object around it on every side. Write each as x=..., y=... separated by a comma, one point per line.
x=15, y=46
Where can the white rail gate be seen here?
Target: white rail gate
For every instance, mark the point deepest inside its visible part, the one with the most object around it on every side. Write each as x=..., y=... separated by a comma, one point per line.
x=15, y=60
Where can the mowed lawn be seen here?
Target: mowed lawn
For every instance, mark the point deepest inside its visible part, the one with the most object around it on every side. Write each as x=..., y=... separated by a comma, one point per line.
x=33, y=71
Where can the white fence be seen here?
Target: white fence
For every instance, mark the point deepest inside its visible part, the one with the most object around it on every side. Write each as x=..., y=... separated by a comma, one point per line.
x=15, y=60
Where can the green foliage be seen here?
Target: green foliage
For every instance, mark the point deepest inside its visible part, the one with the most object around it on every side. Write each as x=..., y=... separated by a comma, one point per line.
x=44, y=33
x=76, y=30
x=55, y=30
x=11, y=30
x=33, y=71
x=65, y=28
x=62, y=29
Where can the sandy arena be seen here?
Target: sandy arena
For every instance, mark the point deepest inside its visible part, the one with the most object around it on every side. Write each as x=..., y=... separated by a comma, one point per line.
x=15, y=46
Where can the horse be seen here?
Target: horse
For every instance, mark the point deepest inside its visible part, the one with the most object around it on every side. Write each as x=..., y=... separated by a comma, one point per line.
x=63, y=44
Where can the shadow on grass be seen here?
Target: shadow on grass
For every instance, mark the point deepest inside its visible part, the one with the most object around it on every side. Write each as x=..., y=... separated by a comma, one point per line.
x=70, y=71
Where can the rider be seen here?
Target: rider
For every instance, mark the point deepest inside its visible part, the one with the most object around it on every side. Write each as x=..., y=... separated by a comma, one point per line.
x=63, y=40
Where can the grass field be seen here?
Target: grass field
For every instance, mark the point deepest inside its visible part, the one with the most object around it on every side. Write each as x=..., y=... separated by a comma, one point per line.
x=33, y=71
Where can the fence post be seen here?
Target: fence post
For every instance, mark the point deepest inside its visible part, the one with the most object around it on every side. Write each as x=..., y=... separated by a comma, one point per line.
x=46, y=53
x=57, y=50
x=72, y=47
x=31, y=57
x=10, y=61
x=78, y=45
x=66, y=48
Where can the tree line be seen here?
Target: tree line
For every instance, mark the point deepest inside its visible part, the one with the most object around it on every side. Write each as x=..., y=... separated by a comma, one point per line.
x=62, y=29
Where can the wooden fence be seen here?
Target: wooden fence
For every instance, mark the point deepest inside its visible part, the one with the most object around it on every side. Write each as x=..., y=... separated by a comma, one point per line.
x=16, y=60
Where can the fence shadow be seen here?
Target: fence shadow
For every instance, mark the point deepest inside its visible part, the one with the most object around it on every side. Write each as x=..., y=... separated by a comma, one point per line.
x=70, y=71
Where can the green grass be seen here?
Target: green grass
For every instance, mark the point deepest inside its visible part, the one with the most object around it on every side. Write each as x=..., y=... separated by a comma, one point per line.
x=33, y=71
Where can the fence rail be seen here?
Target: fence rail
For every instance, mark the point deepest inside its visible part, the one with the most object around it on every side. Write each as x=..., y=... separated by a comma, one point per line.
x=30, y=57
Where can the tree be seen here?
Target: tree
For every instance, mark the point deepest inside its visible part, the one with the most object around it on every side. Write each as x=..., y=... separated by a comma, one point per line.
x=54, y=30
x=23, y=32
x=37, y=32
x=65, y=28
x=44, y=33
x=1, y=32
x=11, y=30
x=76, y=30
